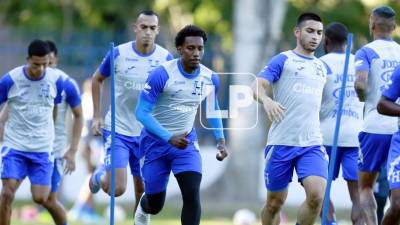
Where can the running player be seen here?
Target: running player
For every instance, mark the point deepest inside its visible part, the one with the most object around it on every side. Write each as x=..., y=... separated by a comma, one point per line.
x=167, y=108
x=375, y=63
x=388, y=106
x=296, y=79
x=133, y=62
x=31, y=91
x=352, y=114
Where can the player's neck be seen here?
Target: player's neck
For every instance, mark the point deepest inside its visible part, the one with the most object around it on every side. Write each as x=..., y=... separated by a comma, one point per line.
x=144, y=49
x=302, y=51
x=387, y=36
x=337, y=49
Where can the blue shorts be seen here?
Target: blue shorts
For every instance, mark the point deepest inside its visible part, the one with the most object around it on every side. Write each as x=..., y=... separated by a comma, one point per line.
x=38, y=166
x=126, y=150
x=58, y=171
x=393, y=164
x=347, y=157
x=280, y=161
x=161, y=157
x=374, y=151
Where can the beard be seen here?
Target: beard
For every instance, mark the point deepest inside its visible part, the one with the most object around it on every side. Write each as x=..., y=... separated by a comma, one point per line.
x=306, y=46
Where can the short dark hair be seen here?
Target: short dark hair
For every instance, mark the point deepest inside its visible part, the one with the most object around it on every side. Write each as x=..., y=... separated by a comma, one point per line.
x=147, y=12
x=307, y=16
x=336, y=32
x=384, y=18
x=189, y=31
x=52, y=47
x=38, y=48
x=384, y=12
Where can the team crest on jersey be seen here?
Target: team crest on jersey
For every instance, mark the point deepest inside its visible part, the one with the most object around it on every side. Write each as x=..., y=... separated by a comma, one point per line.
x=44, y=90
x=198, y=87
x=154, y=63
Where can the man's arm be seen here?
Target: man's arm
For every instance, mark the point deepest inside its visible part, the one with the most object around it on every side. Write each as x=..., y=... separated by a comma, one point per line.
x=262, y=89
x=388, y=107
x=3, y=120
x=98, y=77
x=360, y=85
x=73, y=98
x=216, y=123
x=97, y=81
x=262, y=92
x=76, y=135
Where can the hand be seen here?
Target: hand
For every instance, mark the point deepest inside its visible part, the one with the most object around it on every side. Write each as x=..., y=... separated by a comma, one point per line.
x=179, y=141
x=222, y=151
x=275, y=111
x=69, y=158
x=96, y=126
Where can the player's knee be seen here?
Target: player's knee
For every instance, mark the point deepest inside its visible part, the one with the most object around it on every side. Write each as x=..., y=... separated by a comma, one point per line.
x=7, y=195
x=315, y=200
x=274, y=205
x=119, y=190
x=39, y=199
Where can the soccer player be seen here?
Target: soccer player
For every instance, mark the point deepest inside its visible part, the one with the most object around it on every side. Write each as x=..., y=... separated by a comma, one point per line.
x=64, y=161
x=167, y=108
x=296, y=79
x=388, y=106
x=133, y=62
x=375, y=63
x=352, y=114
x=31, y=91
x=64, y=155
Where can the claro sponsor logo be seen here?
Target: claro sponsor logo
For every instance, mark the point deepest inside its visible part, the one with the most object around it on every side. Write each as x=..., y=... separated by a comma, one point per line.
x=305, y=89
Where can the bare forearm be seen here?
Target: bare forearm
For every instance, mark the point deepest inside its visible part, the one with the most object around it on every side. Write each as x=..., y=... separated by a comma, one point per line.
x=361, y=91
x=262, y=91
x=388, y=108
x=96, y=93
x=76, y=131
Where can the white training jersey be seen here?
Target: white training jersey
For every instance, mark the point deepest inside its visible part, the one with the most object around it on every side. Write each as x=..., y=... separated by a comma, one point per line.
x=30, y=125
x=297, y=83
x=352, y=112
x=176, y=95
x=131, y=71
x=70, y=98
x=379, y=58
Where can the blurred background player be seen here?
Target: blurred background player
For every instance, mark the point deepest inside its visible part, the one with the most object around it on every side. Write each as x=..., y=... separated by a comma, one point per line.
x=347, y=151
x=133, y=62
x=375, y=63
x=31, y=92
x=64, y=155
x=388, y=106
x=167, y=109
x=295, y=79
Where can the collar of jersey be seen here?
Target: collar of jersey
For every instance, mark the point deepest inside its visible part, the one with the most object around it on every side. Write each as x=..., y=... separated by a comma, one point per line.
x=303, y=56
x=141, y=54
x=184, y=73
x=29, y=78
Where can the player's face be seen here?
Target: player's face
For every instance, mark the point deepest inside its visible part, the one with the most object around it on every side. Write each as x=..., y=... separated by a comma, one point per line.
x=146, y=29
x=52, y=60
x=192, y=51
x=309, y=35
x=37, y=65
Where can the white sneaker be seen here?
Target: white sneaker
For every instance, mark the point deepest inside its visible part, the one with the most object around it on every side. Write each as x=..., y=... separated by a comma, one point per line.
x=141, y=218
